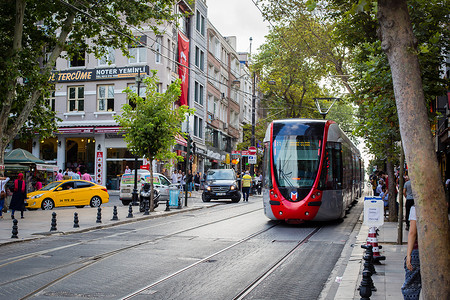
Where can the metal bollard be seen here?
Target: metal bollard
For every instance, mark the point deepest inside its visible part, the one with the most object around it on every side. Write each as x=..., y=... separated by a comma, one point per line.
x=369, y=254
x=130, y=211
x=167, y=205
x=115, y=218
x=147, y=211
x=179, y=203
x=364, y=289
x=53, y=228
x=99, y=215
x=15, y=229
x=75, y=220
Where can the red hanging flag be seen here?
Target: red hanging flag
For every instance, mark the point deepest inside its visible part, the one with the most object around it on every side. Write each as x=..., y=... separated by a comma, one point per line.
x=183, y=71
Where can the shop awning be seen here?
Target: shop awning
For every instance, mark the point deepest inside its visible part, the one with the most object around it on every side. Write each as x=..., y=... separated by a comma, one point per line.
x=21, y=156
x=48, y=168
x=180, y=140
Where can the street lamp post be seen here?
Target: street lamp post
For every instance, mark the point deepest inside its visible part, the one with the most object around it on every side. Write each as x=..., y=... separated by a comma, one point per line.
x=135, y=191
x=252, y=141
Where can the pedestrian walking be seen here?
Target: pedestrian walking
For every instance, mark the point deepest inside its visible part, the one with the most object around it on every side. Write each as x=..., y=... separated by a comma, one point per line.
x=197, y=181
x=174, y=177
x=3, y=182
x=246, y=185
x=86, y=176
x=127, y=170
x=38, y=185
x=59, y=176
x=413, y=284
x=409, y=195
x=18, y=197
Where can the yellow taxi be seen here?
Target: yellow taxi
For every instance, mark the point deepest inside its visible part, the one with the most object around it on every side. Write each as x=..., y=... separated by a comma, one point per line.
x=68, y=193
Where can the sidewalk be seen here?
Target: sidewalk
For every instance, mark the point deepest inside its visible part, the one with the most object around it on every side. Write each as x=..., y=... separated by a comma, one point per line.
x=37, y=223
x=390, y=273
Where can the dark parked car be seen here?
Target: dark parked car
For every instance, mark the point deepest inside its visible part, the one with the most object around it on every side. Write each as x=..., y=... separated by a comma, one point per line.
x=221, y=184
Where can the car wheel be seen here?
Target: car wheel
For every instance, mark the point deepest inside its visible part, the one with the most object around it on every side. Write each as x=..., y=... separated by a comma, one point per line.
x=205, y=199
x=236, y=199
x=47, y=204
x=79, y=206
x=96, y=201
x=126, y=202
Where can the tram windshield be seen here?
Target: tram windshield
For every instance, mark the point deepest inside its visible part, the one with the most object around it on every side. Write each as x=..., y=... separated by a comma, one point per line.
x=296, y=160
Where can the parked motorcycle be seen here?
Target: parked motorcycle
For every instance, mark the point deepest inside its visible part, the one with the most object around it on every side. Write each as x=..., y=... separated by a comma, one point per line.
x=144, y=197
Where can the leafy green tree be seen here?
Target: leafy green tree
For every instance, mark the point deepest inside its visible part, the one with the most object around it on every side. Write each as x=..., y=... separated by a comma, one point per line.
x=151, y=126
x=35, y=33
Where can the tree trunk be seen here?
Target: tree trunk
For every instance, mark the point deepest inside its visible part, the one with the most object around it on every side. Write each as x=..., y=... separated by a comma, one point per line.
x=401, y=183
x=392, y=199
x=399, y=44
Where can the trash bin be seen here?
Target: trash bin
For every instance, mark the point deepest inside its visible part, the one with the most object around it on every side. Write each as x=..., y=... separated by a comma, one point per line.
x=174, y=194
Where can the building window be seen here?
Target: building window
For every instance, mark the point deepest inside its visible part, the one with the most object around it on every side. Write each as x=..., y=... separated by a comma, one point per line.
x=50, y=100
x=198, y=127
x=138, y=52
x=200, y=23
x=198, y=93
x=158, y=45
x=105, y=98
x=199, y=58
x=109, y=58
x=76, y=98
x=78, y=60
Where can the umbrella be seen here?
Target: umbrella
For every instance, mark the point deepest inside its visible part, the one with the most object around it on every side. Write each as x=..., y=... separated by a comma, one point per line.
x=21, y=156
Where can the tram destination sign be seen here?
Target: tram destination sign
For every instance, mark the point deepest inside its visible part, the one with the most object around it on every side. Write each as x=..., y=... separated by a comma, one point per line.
x=98, y=74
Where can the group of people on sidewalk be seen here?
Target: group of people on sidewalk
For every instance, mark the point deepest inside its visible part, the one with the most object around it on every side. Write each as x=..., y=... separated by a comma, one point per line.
x=412, y=285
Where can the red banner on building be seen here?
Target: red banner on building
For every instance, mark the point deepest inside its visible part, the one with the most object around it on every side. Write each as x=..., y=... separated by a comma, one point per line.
x=183, y=71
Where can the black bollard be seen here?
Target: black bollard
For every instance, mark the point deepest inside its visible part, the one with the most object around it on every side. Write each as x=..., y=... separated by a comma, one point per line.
x=167, y=205
x=53, y=228
x=15, y=229
x=75, y=220
x=147, y=204
x=179, y=203
x=364, y=289
x=369, y=254
x=130, y=211
x=99, y=215
x=115, y=218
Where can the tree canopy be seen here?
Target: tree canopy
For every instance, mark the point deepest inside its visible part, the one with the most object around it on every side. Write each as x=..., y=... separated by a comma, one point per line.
x=34, y=34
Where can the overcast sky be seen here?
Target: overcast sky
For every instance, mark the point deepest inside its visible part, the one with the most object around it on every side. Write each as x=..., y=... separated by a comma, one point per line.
x=240, y=18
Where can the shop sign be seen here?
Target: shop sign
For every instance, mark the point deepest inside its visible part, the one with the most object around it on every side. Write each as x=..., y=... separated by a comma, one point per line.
x=113, y=129
x=235, y=152
x=76, y=129
x=48, y=168
x=99, y=168
x=215, y=155
x=98, y=74
x=2, y=167
x=245, y=153
x=201, y=151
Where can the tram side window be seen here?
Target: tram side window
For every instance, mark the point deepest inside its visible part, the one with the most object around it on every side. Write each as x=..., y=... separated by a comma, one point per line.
x=331, y=175
x=266, y=168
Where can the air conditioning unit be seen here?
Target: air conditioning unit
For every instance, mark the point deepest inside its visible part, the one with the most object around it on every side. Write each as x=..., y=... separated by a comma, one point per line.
x=225, y=126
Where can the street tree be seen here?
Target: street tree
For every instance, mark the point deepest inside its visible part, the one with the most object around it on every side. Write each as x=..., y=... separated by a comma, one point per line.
x=400, y=45
x=152, y=122
x=34, y=34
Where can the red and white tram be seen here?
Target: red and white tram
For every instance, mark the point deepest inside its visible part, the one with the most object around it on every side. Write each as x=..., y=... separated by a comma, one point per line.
x=312, y=171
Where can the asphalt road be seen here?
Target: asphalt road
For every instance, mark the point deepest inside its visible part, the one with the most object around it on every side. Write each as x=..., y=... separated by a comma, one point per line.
x=230, y=251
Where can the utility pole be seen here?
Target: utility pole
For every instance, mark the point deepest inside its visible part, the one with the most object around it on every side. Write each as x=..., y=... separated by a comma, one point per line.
x=252, y=141
x=135, y=191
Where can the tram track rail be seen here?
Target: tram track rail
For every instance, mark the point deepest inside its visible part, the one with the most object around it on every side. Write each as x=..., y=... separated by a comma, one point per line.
x=249, y=288
x=89, y=261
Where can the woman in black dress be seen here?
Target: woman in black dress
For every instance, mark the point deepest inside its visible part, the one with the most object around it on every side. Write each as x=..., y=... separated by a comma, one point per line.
x=19, y=196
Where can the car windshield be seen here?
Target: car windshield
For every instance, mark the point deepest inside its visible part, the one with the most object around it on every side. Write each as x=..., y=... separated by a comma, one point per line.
x=222, y=174
x=50, y=186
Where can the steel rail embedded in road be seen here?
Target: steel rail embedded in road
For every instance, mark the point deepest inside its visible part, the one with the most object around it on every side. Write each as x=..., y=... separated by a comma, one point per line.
x=89, y=261
x=275, y=266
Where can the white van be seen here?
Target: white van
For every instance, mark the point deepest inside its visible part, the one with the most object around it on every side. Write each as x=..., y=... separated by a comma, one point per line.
x=160, y=183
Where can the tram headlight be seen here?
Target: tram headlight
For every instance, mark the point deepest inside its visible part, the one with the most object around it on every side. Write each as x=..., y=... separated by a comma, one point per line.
x=313, y=196
x=307, y=213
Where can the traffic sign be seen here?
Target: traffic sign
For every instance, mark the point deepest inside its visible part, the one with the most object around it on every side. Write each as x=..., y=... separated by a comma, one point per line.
x=252, y=150
x=252, y=159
